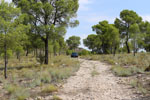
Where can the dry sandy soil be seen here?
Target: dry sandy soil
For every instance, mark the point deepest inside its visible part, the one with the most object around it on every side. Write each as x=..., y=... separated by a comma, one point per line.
x=103, y=86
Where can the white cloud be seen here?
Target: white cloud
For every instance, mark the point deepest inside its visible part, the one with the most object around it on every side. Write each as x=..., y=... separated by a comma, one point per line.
x=146, y=17
x=84, y=4
x=8, y=0
x=84, y=1
x=95, y=18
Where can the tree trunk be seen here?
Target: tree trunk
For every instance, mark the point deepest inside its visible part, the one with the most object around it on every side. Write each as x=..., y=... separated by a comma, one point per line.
x=36, y=52
x=128, y=48
x=46, y=50
x=27, y=52
x=134, y=47
x=17, y=56
x=5, y=70
x=115, y=51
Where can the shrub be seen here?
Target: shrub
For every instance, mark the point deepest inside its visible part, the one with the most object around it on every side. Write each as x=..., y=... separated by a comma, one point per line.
x=17, y=92
x=134, y=83
x=11, y=88
x=45, y=77
x=35, y=82
x=68, y=52
x=50, y=89
x=84, y=52
x=56, y=98
x=121, y=71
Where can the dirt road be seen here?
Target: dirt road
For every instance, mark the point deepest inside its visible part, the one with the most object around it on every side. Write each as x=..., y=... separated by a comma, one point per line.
x=94, y=81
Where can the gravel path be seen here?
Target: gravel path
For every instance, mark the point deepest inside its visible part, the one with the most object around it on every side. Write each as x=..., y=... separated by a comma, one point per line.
x=103, y=86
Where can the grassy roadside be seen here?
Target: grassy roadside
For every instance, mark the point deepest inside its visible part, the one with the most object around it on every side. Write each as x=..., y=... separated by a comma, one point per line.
x=137, y=68
x=33, y=79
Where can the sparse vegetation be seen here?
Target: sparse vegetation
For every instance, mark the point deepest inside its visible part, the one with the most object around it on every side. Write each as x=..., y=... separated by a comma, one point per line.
x=32, y=36
x=127, y=65
x=31, y=76
x=50, y=89
x=136, y=64
x=56, y=98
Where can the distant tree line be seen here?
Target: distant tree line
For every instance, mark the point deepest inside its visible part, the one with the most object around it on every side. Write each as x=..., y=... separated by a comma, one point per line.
x=129, y=33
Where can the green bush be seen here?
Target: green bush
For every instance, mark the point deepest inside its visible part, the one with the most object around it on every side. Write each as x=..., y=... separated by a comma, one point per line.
x=9, y=54
x=49, y=89
x=84, y=52
x=56, y=98
x=69, y=52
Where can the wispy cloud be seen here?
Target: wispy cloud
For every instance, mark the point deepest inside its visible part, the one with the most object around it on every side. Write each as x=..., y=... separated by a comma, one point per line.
x=8, y=0
x=146, y=17
x=95, y=18
x=84, y=4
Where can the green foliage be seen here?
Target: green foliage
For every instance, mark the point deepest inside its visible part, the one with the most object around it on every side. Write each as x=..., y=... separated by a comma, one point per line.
x=90, y=41
x=51, y=19
x=84, y=52
x=49, y=89
x=127, y=19
x=73, y=42
x=9, y=54
x=56, y=98
x=69, y=52
x=107, y=39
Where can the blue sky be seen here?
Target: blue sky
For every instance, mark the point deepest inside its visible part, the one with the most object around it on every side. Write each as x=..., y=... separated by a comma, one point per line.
x=92, y=11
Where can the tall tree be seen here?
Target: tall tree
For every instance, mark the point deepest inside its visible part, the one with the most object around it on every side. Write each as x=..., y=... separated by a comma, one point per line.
x=11, y=29
x=46, y=15
x=135, y=31
x=145, y=30
x=108, y=36
x=127, y=18
x=73, y=42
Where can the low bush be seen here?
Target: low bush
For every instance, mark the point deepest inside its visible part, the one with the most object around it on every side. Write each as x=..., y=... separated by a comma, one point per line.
x=50, y=89
x=17, y=92
x=56, y=98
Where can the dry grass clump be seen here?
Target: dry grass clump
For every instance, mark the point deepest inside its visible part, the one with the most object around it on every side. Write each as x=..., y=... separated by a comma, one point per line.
x=16, y=92
x=56, y=98
x=125, y=72
x=49, y=89
x=140, y=86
